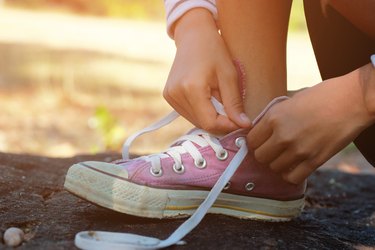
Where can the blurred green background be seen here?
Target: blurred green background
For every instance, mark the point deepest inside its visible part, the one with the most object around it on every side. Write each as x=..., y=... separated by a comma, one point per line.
x=135, y=9
x=144, y=9
x=79, y=76
x=140, y=9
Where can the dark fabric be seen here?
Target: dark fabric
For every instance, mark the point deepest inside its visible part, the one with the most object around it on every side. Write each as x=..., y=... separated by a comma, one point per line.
x=340, y=48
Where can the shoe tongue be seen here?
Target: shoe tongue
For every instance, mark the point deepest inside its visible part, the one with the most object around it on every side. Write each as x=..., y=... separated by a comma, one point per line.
x=197, y=132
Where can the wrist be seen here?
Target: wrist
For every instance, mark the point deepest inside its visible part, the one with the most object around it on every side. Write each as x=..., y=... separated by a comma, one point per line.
x=347, y=93
x=197, y=21
x=367, y=83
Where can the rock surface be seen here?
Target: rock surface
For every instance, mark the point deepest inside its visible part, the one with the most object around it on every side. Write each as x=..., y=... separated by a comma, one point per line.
x=339, y=213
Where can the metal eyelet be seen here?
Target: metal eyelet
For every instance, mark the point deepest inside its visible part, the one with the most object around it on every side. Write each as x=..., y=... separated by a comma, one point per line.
x=249, y=186
x=239, y=141
x=227, y=186
x=156, y=174
x=180, y=170
x=222, y=155
x=201, y=163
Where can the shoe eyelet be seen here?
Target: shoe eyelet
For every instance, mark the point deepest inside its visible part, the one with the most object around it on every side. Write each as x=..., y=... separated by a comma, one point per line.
x=156, y=174
x=180, y=170
x=222, y=155
x=249, y=186
x=227, y=186
x=201, y=163
x=239, y=141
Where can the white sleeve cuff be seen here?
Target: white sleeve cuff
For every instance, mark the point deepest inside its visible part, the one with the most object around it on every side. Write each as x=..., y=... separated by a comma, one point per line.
x=177, y=8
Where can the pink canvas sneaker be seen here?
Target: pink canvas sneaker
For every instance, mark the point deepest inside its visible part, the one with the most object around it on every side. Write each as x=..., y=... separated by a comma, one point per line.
x=200, y=173
x=174, y=183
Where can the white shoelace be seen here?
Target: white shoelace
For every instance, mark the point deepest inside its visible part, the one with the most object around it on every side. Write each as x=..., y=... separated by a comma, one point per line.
x=197, y=136
x=98, y=240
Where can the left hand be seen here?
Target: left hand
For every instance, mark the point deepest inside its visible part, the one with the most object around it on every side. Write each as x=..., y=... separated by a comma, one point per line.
x=296, y=136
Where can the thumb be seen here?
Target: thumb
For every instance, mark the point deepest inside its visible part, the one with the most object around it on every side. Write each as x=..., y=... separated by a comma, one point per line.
x=232, y=98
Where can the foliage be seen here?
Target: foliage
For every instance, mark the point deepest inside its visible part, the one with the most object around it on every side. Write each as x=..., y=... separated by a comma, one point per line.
x=136, y=9
x=145, y=9
x=297, y=20
x=111, y=131
x=349, y=149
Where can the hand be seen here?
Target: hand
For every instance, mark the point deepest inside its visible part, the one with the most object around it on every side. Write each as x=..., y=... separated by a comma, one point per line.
x=203, y=68
x=296, y=136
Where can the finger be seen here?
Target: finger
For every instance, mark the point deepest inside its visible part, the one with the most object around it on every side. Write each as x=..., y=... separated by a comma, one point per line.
x=224, y=125
x=216, y=93
x=184, y=111
x=299, y=173
x=231, y=96
x=259, y=134
x=206, y=115
x=287, y=160
x=269, y=151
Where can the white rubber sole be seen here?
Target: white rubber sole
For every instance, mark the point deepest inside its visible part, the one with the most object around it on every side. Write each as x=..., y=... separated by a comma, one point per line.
x=105, y=187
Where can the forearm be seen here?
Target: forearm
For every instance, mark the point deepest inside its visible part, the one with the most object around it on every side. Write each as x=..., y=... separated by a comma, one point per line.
x=203, y=68
x=196, y=22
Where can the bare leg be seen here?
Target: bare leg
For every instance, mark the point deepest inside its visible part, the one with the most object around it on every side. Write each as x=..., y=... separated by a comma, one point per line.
x=255, y=32
x=350, y=31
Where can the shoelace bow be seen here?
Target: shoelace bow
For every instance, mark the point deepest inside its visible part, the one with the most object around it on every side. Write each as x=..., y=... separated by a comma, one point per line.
x=98, y=240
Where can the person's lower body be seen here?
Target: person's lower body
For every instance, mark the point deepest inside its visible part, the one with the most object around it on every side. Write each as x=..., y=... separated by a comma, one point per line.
x=204, y=173
x=340, y=47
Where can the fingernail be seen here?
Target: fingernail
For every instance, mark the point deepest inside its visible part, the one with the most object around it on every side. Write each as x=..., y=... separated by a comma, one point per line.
x=244, y=118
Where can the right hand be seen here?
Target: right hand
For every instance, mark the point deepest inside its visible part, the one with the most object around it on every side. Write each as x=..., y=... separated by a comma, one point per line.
x=203, y=68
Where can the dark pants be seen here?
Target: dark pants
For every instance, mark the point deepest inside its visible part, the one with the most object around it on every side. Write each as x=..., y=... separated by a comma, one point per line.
x=340, y=47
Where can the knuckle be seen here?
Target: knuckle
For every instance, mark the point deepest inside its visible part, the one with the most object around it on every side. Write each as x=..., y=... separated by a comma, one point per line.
x=166, y=93
x=174, y=91
x=291, y=179
x=236, y=102
x=187, y=85
x=301, y=152
x=184, y=85
x=190, y=86
x=313, y=163
x=273, y=118
x=250, y=142
x=282, y=139
x=259, y=158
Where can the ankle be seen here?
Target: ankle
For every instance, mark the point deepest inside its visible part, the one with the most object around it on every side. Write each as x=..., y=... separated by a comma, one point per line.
x=255, y=102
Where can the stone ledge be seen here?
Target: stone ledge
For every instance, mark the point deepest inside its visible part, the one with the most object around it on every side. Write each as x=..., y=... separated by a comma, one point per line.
x=339, y=212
